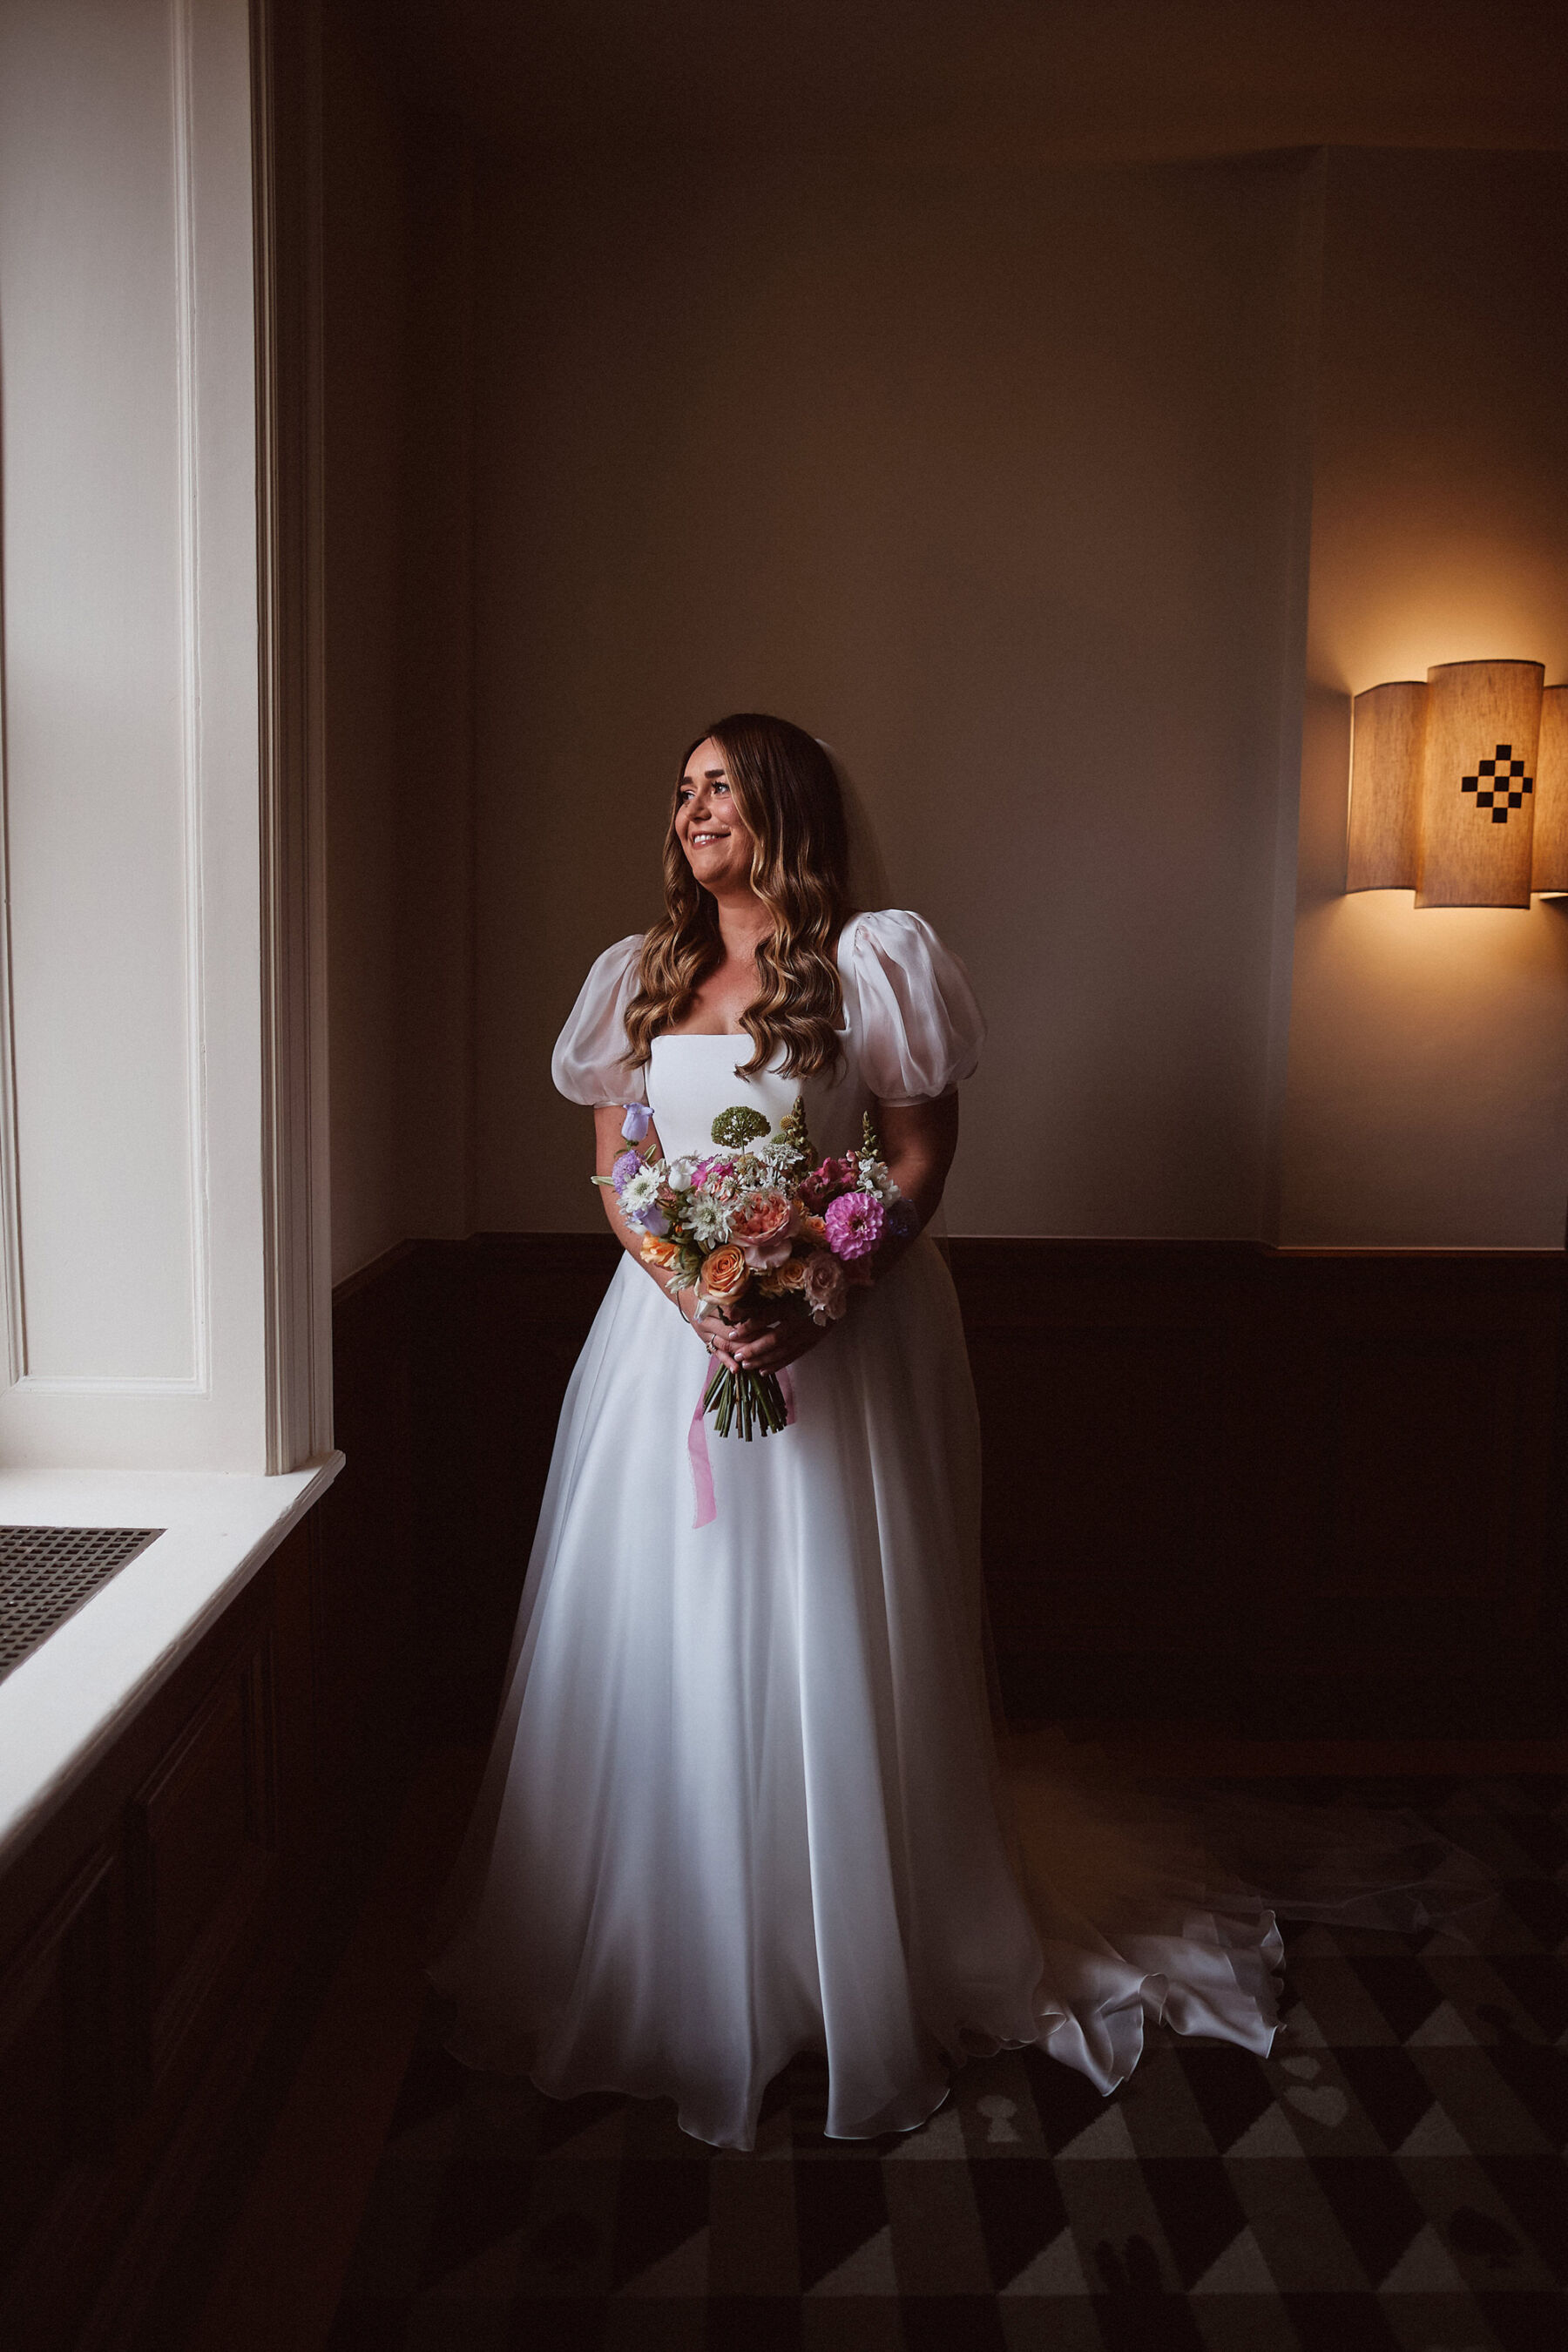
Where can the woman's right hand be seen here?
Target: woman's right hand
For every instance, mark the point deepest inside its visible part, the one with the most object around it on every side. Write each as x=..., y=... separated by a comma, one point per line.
x=762, y=1338
x=709, y=1328
x=720, y=1336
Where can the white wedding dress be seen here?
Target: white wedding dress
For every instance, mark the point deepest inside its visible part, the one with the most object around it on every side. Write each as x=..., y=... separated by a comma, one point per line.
x=743, y=1798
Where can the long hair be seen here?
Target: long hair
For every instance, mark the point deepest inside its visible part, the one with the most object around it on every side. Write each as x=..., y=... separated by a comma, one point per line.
x=786, y=791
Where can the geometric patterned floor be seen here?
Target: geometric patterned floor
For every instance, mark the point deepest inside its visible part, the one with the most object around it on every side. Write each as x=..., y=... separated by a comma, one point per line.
x=1393, y=2175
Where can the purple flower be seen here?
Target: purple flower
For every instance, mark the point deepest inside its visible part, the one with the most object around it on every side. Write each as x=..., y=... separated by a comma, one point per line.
x=624, y=1169
x=902, y=1220
x=853, y=1222
x=651, y=1220
x=636, y=1122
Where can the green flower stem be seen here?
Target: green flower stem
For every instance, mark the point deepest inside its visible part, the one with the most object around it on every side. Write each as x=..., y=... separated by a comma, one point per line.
x=745, y=1403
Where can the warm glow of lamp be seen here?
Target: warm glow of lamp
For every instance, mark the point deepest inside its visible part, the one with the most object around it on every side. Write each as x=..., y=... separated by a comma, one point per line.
x=1550, y=862
x=1390, y=726
x=1460, y=786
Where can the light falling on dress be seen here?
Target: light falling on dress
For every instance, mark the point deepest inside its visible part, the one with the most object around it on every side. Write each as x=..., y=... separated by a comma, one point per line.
x=742, y=1796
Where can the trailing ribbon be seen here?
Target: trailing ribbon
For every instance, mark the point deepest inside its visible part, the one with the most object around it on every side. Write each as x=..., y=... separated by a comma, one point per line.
x=697, y=1452
x=697, y=1447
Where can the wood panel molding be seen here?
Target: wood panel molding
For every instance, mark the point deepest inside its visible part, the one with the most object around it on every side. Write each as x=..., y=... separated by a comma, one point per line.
x=1299, y=1481
x=126, y=1928
x=63, y=2035
x=203, y=1837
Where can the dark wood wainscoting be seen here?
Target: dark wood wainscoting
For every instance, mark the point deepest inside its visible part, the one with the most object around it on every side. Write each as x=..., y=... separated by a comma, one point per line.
x=163, y=1936
x=1311, y=1492
x=168, y=1885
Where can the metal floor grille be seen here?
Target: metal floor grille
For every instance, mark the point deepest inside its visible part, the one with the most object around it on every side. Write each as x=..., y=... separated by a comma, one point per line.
x=46, y=1574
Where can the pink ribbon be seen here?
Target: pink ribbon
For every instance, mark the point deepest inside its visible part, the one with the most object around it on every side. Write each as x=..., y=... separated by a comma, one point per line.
x=701, y=1468
x=697, y=1445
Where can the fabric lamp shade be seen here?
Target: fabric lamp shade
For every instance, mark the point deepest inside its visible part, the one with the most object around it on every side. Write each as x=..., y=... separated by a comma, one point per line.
x=1460, y=786
x=1478, y=783
x=1388, y=733
x=1549, y=862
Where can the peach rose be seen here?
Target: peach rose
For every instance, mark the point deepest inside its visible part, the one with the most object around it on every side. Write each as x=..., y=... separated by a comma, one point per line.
x=764, y=1229
x=725, y=1275
x=823, y=1287
x=815, y=1230
x=781, y=1281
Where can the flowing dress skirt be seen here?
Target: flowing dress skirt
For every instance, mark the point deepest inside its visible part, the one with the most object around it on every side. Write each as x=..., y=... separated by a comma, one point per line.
x=744, y=1796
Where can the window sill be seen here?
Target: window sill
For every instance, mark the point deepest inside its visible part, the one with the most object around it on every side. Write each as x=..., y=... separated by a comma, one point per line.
x=66, y=1700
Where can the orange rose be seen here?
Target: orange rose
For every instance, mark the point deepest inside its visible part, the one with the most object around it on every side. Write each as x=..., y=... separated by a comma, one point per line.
x=725, y=1275
x=658, y=1252
x=816, y=1229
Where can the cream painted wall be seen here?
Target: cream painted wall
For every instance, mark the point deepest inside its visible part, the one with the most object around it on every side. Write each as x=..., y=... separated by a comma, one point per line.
x=397, y=206
x=364, y=364
x=993, y=479
x=999, y=481
x=1428, y=1063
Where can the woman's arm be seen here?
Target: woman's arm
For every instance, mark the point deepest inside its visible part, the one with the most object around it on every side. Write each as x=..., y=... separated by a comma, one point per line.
x=608, y=1145
x=918, y=1141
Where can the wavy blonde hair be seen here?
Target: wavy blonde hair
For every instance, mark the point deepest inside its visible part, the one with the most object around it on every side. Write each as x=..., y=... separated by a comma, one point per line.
x=785, y=790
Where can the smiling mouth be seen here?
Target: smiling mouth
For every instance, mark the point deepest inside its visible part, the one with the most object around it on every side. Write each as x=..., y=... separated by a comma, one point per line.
x=699, y=840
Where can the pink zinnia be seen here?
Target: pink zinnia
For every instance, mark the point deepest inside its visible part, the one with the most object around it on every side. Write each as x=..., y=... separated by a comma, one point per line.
x=854, y=1224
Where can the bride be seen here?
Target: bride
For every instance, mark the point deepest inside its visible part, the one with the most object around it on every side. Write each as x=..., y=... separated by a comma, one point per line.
x=743, y=1798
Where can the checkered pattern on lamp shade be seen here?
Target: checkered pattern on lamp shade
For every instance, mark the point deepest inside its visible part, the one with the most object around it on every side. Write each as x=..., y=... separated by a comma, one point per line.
x=1499, y=784
x=1392, y=2176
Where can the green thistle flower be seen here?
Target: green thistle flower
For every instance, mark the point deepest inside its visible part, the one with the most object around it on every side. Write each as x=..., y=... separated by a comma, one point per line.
x=740, y=1125
x=871, y=1148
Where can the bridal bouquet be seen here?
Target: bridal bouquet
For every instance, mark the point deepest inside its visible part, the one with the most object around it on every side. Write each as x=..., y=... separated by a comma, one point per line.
x=761, y=1217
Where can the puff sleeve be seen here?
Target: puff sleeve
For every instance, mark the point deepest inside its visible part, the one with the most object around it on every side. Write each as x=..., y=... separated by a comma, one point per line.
x=589, y=1064
x=920, y=1029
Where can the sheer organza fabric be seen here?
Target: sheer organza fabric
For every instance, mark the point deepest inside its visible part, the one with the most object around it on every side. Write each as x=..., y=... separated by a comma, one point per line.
x=744, y=1796
x=910, y=1009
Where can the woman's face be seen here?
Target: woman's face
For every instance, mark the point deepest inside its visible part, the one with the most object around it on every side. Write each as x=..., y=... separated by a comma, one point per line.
x=708, y=825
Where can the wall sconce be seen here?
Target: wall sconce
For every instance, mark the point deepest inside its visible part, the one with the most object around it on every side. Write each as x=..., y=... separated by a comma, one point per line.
x=1460, y=786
